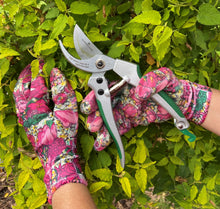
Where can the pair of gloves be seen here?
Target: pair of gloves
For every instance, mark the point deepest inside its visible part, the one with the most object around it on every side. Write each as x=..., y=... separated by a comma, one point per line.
x=53, y=132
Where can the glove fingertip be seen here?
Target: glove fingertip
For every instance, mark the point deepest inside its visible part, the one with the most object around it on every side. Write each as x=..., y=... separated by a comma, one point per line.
x=103, y=139
x=89, y=104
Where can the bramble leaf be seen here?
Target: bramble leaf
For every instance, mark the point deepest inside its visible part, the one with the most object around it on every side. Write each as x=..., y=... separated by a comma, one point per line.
x=126, y=186
x=79, y=7
x=208, y=15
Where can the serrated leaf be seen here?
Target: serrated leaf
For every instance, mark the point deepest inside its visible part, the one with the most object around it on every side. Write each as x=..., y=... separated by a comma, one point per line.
x=149, y=17
x=161, y=40
x=126, y=186
x=36, y=164
x=122, y=8
x=38, y=186
x=119, y=168
x=35, y=68
x=103, y=174
x=94, y=187
x=141, y=178
x=104, y=158
x=22, y=179
x=208, y=15
x=211, y=183
x=197, y=171
x=25, y=32
x=86, y=142
x=190, y=22
x=164, y=161
x=61, y=5
x=116, y=49
x=4, y=67
x=35, y=201
x=94, y=35
x=176, y=160
x=193, y=192
x=203, y=196
x=7, y=52
x=79, y=7
x=48, y=44
x=59, y=25
x=141, y=152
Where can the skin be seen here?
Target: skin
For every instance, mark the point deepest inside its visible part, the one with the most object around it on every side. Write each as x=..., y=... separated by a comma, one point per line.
x=212, y=121
x=77, y=196
x=73, y=196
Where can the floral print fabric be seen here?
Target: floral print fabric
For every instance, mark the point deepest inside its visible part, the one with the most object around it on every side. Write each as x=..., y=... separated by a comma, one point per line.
x=133, y=105
x=53, y=133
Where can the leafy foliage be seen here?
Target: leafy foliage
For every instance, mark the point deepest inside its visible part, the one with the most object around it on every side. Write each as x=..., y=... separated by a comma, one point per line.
x=183, y=35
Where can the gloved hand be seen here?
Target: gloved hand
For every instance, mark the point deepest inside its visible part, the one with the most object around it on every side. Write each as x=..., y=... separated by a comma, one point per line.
x=53, y=133
x=134, y=106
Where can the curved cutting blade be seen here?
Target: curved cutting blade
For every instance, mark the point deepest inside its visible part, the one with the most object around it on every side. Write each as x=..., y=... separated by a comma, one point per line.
x=84, y=47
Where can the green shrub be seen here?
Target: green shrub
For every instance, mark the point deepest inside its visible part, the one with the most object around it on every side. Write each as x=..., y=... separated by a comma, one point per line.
x=183, y=35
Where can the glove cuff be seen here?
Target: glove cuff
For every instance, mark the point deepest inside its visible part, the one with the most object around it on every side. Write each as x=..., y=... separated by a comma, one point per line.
x=199, y=98
x=62, y=172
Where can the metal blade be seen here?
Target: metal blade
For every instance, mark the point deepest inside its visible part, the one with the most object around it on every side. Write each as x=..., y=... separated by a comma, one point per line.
x=84, y=47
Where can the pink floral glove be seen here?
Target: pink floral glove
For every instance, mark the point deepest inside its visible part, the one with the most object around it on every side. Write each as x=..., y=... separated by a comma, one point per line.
x=134, y=106
x=53, y=134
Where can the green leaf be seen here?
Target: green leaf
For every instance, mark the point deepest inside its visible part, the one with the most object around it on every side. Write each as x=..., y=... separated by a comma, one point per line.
x=80, y=8
x=119, y=168
x=176, y=160
x=161, y=40
x=4, y=67
x=147, y=5
x=36, y=164
x=52, y=13
x=8, y=158
x=22, y=179
x=164, y=161
x=178, y=146
x=135, y=54
x=94, y=187
x=7, y=52
x=150, y=17
x=103, y=174
x=211, y=183
x=141, y=152
x=193, y=192
x=126, y=186
x=208, y=15
x=189, y=23
x=48, y=44
x=59, y=25
x=95, y=36
x=61, y=5
x=116, y=50
x=122, y=8
x=86, y=142
x=38, y=186
x=203, y=196
x=35, y=68
x=26, y=32
x=141, y=178
x=197, y=171
x=35, y=201
x=104, y=158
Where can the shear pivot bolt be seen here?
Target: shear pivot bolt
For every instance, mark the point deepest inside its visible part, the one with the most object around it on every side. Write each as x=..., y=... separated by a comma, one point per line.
x=99, y=80
x=100, y=64
x=101, y=92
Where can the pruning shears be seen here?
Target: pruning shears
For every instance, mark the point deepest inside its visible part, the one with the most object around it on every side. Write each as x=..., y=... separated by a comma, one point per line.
x=95, y=62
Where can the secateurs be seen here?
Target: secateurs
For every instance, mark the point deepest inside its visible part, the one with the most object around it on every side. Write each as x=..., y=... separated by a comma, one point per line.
x=95, y=62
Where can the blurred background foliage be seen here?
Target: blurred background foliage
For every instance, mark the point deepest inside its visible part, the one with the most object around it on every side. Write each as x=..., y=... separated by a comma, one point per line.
x=183, y=35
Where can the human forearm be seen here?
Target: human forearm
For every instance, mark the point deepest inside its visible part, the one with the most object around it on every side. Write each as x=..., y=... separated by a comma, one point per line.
x=72, y=196
x=212, y=121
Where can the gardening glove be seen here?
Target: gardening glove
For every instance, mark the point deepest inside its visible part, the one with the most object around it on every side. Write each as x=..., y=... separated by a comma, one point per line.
x=134, y=106
x=53, y=133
